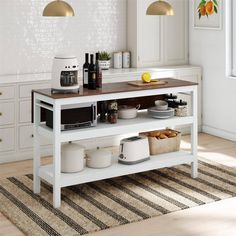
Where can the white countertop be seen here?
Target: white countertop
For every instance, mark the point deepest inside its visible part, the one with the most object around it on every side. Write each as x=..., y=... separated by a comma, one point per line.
x=8, y=79
x=111, y=73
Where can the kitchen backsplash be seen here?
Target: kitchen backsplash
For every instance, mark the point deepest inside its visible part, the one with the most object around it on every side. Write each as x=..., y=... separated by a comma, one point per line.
x=28, y=41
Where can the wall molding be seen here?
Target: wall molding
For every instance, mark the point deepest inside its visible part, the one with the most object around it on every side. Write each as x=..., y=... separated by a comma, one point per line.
x=219, y=132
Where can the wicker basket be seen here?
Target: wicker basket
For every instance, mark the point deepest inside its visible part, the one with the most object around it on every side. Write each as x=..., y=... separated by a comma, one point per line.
x=159, y=146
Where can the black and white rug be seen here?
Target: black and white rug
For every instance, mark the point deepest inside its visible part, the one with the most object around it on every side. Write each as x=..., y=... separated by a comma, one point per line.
x=104, y=204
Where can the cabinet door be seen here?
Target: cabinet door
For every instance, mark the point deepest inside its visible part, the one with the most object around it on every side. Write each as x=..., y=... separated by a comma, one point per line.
x=25, y=111
x=148, y=36
x=175, y=35
x=26, y=137
x=7, y=139
x=7, y=113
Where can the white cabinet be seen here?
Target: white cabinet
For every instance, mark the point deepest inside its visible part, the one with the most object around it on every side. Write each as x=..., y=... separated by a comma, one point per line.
x=157, y=40
x=7, y=92
x=175, y=32
x=149, y=38
x=7, y=139
x=26, y=137
x=7, y=113
x=26, y=89
x=16, y=140
x=25, y=111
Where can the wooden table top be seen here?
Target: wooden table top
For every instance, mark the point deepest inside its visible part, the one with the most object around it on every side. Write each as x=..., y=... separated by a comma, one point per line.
x=109, y=88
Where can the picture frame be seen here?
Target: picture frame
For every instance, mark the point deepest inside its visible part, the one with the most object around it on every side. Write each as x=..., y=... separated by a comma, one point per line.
x=203, y=20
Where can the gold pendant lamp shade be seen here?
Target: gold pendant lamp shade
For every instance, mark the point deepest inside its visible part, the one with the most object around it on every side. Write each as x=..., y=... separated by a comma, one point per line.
x=160, y=8
x=58, y=8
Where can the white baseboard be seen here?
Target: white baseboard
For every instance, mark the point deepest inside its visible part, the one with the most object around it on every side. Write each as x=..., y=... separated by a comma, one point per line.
x=219, y=132
x=23, y=155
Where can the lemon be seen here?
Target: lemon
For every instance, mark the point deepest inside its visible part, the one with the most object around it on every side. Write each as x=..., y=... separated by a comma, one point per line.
x=146, y=77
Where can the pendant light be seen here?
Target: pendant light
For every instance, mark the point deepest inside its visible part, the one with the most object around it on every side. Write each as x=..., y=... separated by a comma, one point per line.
x=160, y=8
x=58, y=8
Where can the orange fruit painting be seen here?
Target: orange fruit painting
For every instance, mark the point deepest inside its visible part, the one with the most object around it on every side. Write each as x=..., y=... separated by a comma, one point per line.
x=207, y=8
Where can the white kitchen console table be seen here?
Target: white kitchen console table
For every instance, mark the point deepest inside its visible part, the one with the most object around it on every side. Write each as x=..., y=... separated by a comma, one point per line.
x=52, y=173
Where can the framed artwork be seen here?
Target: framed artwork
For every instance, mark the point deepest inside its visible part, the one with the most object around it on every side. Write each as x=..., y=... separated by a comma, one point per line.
x=207, y=14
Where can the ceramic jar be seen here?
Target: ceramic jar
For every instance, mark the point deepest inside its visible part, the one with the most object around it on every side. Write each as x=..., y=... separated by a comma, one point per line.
x=72, y=158
x=99, y=158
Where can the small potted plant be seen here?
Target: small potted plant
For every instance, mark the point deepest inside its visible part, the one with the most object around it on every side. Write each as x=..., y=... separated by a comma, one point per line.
x=104, y=60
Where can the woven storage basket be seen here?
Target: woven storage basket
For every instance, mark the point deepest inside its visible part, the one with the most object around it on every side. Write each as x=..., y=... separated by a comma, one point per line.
x=159, y=146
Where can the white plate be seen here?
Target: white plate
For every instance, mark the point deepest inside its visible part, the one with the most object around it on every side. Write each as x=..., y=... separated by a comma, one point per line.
x=170, y=112
x=154, y=109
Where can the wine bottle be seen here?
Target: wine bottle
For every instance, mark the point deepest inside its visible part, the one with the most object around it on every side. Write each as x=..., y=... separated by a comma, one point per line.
x=98, y=72
x=92, y=74
x=85, y=71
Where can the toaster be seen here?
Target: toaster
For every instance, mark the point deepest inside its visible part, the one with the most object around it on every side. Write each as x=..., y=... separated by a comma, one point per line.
x=134, y=150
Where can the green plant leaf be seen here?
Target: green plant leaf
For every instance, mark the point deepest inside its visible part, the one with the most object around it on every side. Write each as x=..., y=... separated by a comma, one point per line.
x=215, y=2
x=104, y=56
x=215, y=9
x=201, y=4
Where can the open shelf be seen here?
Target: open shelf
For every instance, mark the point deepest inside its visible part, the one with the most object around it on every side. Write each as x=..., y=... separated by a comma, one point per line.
x=140, y=124
x=90, y=174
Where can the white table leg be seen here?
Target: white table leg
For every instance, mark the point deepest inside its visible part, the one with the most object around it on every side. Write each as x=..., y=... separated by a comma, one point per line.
x=194, y=134
x=37, y=155
x=56, y=155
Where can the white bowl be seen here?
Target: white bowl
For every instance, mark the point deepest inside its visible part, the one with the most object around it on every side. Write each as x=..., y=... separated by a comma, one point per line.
x=128, y=112
x=161, y=105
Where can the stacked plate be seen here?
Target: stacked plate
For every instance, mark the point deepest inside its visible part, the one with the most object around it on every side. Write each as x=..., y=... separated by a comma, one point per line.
x=161, y=111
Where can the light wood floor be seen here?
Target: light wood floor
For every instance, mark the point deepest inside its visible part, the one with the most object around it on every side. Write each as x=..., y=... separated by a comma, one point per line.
x=218, y=219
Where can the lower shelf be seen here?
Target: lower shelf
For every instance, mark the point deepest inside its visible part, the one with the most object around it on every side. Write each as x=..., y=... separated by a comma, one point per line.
x=90, y=175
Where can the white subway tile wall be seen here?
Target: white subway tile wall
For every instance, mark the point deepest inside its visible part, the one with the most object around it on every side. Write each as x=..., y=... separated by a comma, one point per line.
x=28, y=41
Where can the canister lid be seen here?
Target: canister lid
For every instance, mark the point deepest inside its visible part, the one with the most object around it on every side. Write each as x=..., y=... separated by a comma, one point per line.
x=72, y=147
x=125, y=108
x=170, y=96
x=65, y=56
x=182, y=103
x=99, y=152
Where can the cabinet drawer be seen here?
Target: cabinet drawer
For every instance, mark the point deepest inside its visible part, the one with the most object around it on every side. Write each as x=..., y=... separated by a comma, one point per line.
x=25, y=111
x=7, y=92
x=26, y=137
x=7, y=139
x=26, y=89
x=7, y=113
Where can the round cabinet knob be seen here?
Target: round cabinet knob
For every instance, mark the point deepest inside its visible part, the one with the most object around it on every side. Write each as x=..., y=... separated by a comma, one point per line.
x=0, y=140
x=0, y=93
x=0, y=113
x=32, y=135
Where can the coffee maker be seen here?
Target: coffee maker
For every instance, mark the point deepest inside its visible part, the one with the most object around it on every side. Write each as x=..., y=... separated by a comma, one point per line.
x=65, y=74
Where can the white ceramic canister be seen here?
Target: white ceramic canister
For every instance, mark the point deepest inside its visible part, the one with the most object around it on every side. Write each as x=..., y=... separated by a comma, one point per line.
x=117, y=60
x=99, y=158
x=72, y=158
x=126, y=59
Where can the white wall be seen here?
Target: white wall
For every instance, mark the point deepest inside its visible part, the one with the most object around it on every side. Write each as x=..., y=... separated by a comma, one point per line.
x=29, y=41
x=207, y=49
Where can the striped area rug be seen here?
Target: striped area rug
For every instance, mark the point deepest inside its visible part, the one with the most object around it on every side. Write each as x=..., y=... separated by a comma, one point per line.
x=100, y=205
